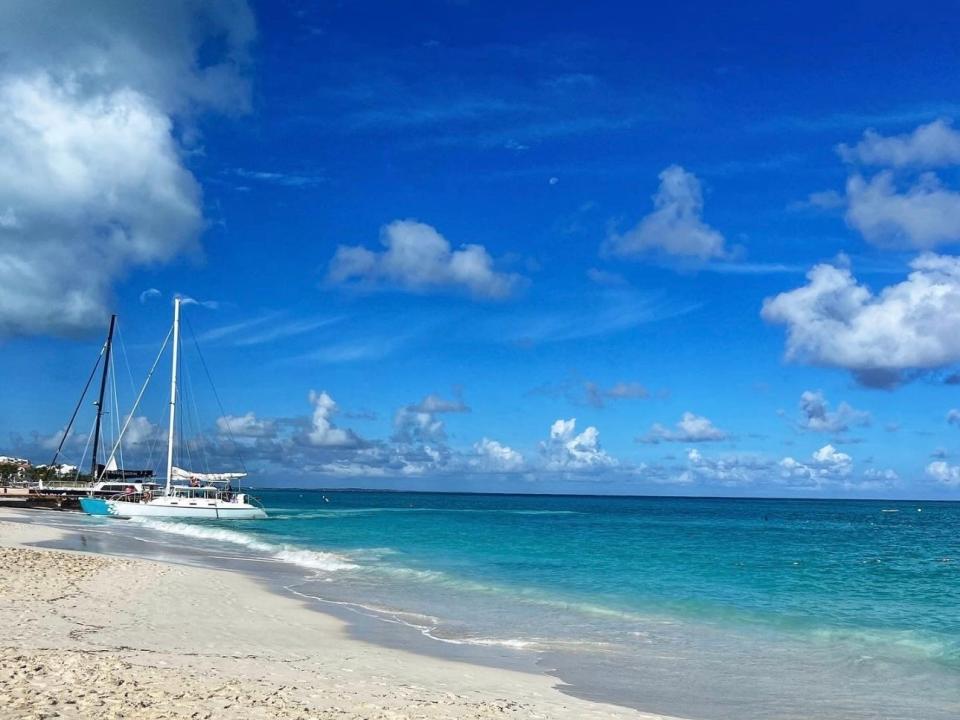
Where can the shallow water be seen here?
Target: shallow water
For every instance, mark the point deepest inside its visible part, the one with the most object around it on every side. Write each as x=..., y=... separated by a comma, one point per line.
x=703, y=608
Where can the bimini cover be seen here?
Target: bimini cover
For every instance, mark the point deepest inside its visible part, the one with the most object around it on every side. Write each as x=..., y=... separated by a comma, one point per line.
x=181, y=474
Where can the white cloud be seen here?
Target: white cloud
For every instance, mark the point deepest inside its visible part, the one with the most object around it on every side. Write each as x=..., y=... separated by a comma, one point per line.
x=944, y=473
x=896, y=207
x=156, y=49
x=246, y=426
x=953, y=416
x=816, y=415
x=419, y=423
x=924, y=216
x=148, y=294
x=208, y=304
x=729, y=471
x=91, y=175
x=875, y=479
x=140, y=431
x=690, y=428
x=932, y=145
x=98, y=186
x=675, y=227
x=494, y=456
x=322, y=431
x=826, y=466
x=52, y=441
x=419, y=258
x=566, y=450
x=416, y=426
x=834, y=321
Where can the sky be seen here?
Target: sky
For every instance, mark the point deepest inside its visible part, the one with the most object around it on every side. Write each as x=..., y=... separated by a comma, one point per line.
x=675, y=249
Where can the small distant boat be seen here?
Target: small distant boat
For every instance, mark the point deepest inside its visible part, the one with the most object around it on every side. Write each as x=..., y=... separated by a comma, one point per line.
x=186, y=494
x=890, y=510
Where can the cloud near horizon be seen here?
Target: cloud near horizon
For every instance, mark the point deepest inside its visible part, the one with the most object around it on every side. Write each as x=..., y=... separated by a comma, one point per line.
x=690, y=428
x=816, y=415
x=567, y=451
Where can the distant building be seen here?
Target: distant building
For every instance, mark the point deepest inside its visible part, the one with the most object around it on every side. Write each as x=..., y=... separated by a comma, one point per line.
x=64, y=470
x=7, y=460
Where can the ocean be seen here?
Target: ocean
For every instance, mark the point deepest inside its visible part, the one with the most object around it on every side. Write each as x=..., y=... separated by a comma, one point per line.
x=700, y=608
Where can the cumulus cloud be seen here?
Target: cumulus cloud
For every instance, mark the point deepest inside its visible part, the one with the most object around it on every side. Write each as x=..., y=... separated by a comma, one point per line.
x=567, y=450
x=690, y=428
x=897, y=207
x=418, y=258
x=675, y=228
x=91, y=175
x=932, y=145
x=874, y=478
x=494, y=456
x=730, y=471
x=322, y=432
x=826, y=465
x=944, y=473
x=816, y=415
x=418, y=423
x=925, y=215
x=415, y=426
x=834, y=321
x=246, y=426
x=141, y=430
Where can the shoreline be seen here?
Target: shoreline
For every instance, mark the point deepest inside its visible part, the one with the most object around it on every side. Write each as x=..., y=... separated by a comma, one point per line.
x=152, y=639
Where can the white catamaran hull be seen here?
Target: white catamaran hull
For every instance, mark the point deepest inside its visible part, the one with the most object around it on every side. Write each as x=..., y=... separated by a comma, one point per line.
x=201, y=498
x=162, y=508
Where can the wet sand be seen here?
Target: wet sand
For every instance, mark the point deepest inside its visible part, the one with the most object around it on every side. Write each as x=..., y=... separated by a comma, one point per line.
x=85, y=635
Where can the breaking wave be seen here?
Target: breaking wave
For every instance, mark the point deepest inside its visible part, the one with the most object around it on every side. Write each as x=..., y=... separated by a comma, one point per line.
x=309, y=559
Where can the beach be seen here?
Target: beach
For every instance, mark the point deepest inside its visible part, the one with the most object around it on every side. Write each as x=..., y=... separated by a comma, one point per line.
x=85, y=635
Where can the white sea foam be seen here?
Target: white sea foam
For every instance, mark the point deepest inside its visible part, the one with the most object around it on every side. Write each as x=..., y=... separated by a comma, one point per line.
x=426, y=625
x=415, y=620
x=328, y=562
x=310, y=559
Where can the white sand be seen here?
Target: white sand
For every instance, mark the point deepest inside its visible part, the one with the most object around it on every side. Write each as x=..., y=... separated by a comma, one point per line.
x=88, y=636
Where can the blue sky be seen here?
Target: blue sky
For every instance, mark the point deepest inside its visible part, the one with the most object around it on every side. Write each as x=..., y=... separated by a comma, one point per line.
x=528, y=247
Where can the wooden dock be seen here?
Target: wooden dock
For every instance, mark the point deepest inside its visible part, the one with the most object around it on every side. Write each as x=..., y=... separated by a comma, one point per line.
x=23, y=497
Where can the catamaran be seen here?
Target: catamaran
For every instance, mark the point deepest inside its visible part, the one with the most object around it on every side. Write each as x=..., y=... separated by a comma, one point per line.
x=186, y=494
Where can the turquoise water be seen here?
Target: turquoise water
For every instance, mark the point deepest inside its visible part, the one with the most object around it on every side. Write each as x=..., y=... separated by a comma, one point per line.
x=699, y=607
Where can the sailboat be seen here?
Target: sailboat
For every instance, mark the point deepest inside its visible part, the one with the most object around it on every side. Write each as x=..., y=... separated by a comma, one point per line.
x=186, y=494
x=104, y=480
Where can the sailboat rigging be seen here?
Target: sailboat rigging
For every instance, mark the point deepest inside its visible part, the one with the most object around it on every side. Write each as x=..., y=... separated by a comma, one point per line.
x=103, y=480
x=185, y=493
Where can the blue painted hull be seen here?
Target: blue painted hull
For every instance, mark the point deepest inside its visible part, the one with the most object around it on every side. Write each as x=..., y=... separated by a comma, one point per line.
x=95, y=506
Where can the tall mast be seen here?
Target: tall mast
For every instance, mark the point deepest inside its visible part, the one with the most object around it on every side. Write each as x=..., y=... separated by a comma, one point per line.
x=103, y=387
x=173, y=389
